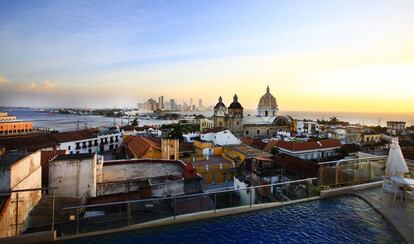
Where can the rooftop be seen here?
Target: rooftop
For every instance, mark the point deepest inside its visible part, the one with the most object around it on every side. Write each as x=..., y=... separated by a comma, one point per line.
x=213, y=160
x=10, y=158
x=80, y=156
x=139, y=145
x=34, y=142
x=303, y=146
x=248, y=151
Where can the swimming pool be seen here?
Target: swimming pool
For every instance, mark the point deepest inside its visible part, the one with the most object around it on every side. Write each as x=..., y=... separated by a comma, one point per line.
x=339, y=220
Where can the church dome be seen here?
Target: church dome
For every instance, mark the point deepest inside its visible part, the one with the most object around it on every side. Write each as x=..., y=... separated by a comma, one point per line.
x=267, y=104
x=235, y=104
x=220, y=104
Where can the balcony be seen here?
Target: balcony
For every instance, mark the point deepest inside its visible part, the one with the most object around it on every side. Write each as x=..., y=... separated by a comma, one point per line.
x=351, y=172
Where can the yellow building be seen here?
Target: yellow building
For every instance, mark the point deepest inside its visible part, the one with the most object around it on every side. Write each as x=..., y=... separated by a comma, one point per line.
x=215, y=169
x=170, y=149
x=141, y=147
x=9, y=125
x=206, y=124
x=241, y=152
x=371, y=138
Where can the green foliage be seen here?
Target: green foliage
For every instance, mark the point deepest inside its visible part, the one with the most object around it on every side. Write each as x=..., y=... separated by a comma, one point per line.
x=342, y=151
x=134, y=122
x=176, y=131
x=274, y=151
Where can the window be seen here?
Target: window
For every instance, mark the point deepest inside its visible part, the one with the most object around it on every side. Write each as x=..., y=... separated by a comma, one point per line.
x=69, y=148
x=224, y=176
x=268, y=132
x=258, y=132
x=247, y=132
x=213, y=178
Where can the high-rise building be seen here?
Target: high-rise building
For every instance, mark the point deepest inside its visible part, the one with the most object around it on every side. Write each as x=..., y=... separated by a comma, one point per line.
x=200, y=104
x=172, y=104
x=191, y=102
x=161, y=102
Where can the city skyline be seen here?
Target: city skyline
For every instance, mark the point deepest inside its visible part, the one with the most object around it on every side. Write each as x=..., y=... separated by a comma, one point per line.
x=358, y=56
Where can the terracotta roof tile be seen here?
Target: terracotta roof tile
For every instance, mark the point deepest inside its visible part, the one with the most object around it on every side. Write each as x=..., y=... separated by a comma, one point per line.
x=139, y=145
x=303, y=146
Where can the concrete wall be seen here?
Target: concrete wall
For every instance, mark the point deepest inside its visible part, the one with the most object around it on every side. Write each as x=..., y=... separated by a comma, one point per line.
x=74, y=178
x=174, y=188
x=28, y=173
x=243, y=194
x=124, y=172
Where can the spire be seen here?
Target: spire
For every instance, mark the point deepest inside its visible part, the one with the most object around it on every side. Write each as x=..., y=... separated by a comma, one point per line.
x=235, y=98
x=267, y=89
x=220, y=99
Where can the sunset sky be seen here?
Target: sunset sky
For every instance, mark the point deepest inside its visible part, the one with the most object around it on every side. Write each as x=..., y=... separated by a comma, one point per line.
x=315, y=55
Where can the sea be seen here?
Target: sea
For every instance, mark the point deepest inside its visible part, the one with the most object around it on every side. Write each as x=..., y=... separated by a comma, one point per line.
x=70, y=122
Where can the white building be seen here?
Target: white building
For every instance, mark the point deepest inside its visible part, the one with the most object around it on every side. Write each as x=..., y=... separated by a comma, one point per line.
x=75, y=175
x=18, y=171
x=191, y=137
x=221, y=138
x=306, y=128
x=79, y=142
x=396, y=127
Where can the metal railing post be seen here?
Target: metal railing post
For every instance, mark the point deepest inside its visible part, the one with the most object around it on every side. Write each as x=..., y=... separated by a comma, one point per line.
x=77, y=221
x=251, y=189
x=17, y=214
x=175, y=208
x=53, y=211
x=129, y=214
x=215, y=202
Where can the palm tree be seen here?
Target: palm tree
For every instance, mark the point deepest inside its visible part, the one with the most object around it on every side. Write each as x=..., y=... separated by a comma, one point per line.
x=334, y=120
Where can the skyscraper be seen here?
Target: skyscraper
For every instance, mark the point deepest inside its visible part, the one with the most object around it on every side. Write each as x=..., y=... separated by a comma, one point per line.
x=200, y=104
x=161, y=102
x=172, y=104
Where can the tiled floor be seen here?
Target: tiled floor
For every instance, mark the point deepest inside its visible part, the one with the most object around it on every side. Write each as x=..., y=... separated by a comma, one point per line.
x=400, y=213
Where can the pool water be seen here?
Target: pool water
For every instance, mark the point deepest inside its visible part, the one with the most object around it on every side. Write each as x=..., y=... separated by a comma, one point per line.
x=338, y=220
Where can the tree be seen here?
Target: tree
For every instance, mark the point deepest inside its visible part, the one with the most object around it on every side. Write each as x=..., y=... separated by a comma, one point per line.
x=134, y=122
x=334, y=120
x=274, y=151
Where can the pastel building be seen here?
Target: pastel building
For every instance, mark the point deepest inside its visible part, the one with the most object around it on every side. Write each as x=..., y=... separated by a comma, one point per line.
x=9, y=125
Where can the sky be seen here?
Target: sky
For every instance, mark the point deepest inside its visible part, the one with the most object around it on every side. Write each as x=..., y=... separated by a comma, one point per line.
x=315, y=55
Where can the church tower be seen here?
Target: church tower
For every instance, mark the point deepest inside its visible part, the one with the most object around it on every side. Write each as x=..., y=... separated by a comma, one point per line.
x=235, y=117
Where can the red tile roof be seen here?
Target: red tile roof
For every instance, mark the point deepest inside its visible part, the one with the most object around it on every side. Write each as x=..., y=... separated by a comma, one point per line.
x=137, y=146
x=75, y=135
x=303, y=168
x=213, y=130
x=303, y=146
x=39, y=141
x=45, y=157
x=259, y=144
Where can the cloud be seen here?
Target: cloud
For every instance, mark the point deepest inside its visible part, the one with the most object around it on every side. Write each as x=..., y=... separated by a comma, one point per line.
x=45, y=86
x=3, y=81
